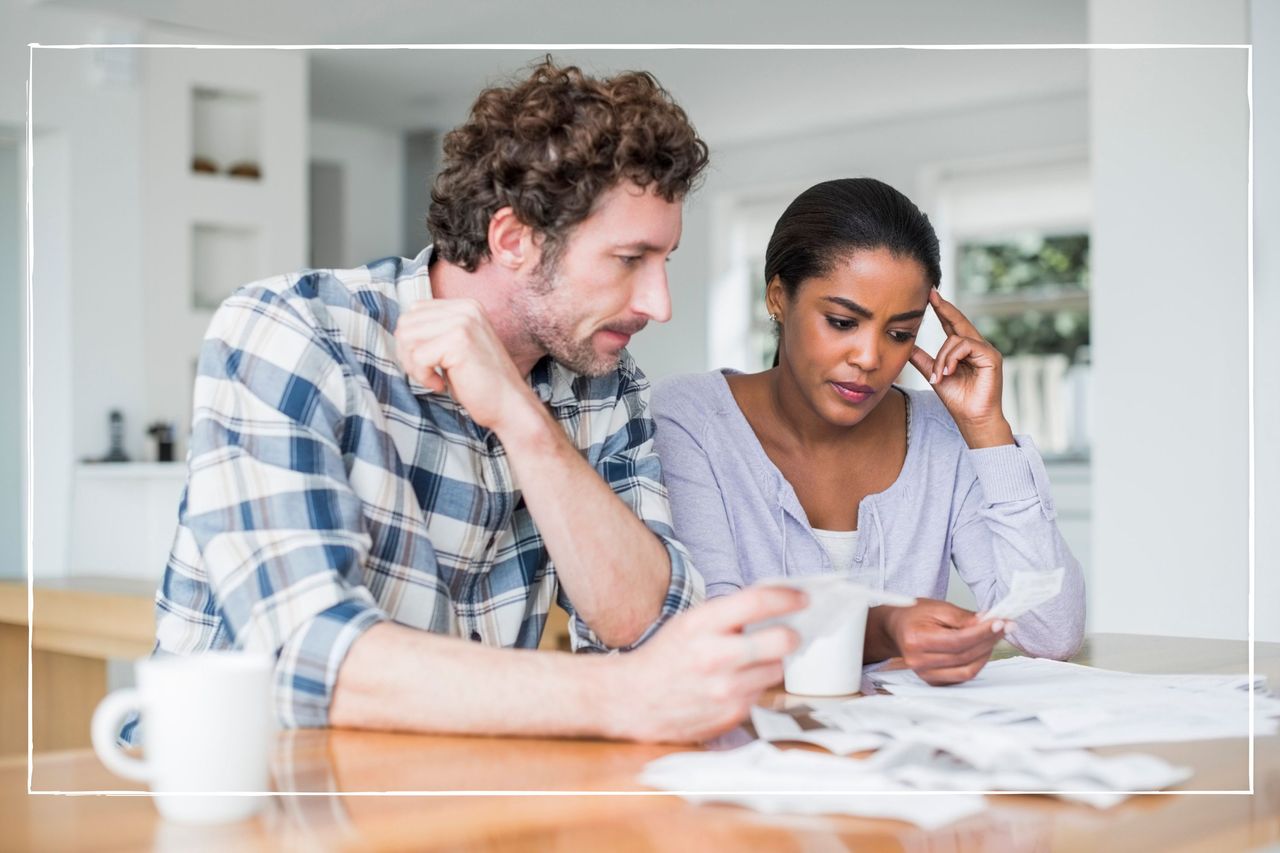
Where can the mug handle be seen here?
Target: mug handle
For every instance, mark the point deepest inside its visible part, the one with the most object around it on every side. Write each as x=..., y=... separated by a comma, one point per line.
x=107, y=718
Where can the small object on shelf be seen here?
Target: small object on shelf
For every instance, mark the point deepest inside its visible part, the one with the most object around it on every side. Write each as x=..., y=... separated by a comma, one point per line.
x=116, y=427
x=245, y=169
x=204, y=165
x=162, y=432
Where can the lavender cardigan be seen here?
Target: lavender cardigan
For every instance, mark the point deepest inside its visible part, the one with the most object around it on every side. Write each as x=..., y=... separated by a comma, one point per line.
x=989, y=511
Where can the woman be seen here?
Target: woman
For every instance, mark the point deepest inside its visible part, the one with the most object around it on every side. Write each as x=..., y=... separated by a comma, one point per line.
x=822, y=464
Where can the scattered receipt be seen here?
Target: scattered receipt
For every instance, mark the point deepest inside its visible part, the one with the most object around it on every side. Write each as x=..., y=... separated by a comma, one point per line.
x=762, y=777
x=1027, y=591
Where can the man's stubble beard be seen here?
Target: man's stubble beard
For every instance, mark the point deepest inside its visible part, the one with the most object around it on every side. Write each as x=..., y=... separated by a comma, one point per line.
x=550, y=327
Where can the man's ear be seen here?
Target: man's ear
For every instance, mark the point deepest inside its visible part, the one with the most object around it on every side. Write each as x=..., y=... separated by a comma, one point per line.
x=510, y=240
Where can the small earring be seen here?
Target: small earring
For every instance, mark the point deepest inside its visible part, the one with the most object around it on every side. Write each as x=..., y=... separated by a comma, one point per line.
x=774, y=318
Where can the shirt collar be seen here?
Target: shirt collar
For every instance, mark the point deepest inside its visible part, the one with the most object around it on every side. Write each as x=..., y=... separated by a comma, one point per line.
x=553, y=383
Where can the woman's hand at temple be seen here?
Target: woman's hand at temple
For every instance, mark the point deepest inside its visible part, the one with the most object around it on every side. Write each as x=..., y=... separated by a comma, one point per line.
x=967, y=374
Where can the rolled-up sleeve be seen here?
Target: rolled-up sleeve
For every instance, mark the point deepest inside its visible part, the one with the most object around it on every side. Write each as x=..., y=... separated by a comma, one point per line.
x=278, y=529
x=629, y=464
x=1007, y=524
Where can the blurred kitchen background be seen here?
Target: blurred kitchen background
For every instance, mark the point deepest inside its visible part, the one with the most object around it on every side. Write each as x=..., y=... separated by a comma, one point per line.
x=1093, y=207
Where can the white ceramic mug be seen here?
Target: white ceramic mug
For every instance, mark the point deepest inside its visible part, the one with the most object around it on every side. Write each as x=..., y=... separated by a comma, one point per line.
x=206, y=725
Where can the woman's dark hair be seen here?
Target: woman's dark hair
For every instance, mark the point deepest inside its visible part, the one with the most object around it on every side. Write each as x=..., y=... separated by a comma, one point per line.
x=830, y=221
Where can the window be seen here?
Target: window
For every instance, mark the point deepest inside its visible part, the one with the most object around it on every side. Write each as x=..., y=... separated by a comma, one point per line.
x=739, y=332
x=1016, y=261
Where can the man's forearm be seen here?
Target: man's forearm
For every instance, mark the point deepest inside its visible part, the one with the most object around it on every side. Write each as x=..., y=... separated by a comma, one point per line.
x=613, y=567
x=397, y=678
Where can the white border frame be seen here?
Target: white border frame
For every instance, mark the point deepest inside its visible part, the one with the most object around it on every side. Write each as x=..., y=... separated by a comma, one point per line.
x=30, y=313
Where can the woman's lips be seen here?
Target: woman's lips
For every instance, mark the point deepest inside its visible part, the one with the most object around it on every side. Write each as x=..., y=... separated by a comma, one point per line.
x=853, y=392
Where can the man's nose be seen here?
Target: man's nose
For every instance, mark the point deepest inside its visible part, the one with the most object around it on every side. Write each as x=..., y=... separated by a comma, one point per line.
x=652, y=298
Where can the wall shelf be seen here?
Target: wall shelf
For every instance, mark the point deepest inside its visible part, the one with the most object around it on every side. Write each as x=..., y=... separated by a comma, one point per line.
x=223, y=258
x=226, y=129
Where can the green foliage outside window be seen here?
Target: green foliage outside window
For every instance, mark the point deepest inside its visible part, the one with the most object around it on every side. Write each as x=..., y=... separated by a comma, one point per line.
x=1029, y=294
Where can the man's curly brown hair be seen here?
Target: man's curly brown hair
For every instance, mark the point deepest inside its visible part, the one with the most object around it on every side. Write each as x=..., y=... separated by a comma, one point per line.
x=548, y=146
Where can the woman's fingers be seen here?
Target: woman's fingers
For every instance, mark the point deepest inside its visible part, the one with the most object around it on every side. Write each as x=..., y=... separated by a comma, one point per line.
x=952, y=675
x=937, y=659
x=953, y=320
x=962, y=350
x=956, y=350
x=922, y=362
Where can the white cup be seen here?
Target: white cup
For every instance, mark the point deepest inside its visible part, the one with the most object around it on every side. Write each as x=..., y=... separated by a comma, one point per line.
x=831, y=629
x=207, y=726
x=829, y=664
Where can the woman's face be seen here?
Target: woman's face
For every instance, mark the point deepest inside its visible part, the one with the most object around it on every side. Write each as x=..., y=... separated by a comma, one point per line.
x=847, y=335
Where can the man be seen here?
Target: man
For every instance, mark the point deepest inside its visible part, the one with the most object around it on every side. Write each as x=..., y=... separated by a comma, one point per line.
x=396, y=469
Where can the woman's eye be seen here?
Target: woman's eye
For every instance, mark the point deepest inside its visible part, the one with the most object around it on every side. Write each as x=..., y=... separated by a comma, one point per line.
x=902, y=337
x=842, y=323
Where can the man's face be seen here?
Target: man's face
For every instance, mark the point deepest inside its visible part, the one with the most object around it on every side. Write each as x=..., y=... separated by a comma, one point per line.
x=608, y=282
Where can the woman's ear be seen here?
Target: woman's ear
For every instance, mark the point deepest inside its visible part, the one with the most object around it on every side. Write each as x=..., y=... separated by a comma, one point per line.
x=510, y=239
x=775, y=299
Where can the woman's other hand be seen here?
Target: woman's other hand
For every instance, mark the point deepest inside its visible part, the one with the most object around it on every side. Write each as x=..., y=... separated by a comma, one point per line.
x=943, y=643
x=967, y=374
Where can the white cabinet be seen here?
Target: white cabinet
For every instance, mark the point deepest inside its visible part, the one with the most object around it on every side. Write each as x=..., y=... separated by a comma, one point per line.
x=123, y=517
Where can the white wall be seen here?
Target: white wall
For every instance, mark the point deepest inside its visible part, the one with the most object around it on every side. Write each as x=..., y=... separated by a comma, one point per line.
x=899, y=152
x=421, y=162
x=12, y=356
x=1169, y=143
x=86, y=253
x=87, y=289
x=52, y=354
x=372, y=162
x=1265, y=35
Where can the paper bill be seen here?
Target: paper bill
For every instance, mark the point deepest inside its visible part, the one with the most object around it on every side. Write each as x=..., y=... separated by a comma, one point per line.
x=777, y=727
x=1027, y=591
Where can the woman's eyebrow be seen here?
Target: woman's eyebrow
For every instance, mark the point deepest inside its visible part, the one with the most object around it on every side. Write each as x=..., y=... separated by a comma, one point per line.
x=850, y=305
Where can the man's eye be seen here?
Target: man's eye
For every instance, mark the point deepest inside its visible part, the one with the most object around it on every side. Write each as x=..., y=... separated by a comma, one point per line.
x=629, y=260
x=844, y=324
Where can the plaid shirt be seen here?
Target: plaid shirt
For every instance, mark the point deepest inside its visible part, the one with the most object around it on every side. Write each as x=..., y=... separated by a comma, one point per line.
x=328, y=492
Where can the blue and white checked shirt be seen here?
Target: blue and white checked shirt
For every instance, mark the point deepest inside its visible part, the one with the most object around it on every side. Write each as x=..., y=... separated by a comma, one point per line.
x=327, y=491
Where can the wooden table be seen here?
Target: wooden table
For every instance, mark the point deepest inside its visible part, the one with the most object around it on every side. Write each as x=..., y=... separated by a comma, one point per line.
x=335, y=762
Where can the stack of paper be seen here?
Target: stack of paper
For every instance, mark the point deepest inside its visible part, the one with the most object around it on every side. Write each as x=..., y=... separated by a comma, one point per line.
x=1018, y=726
x=1054, y=705
x=898, y=780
